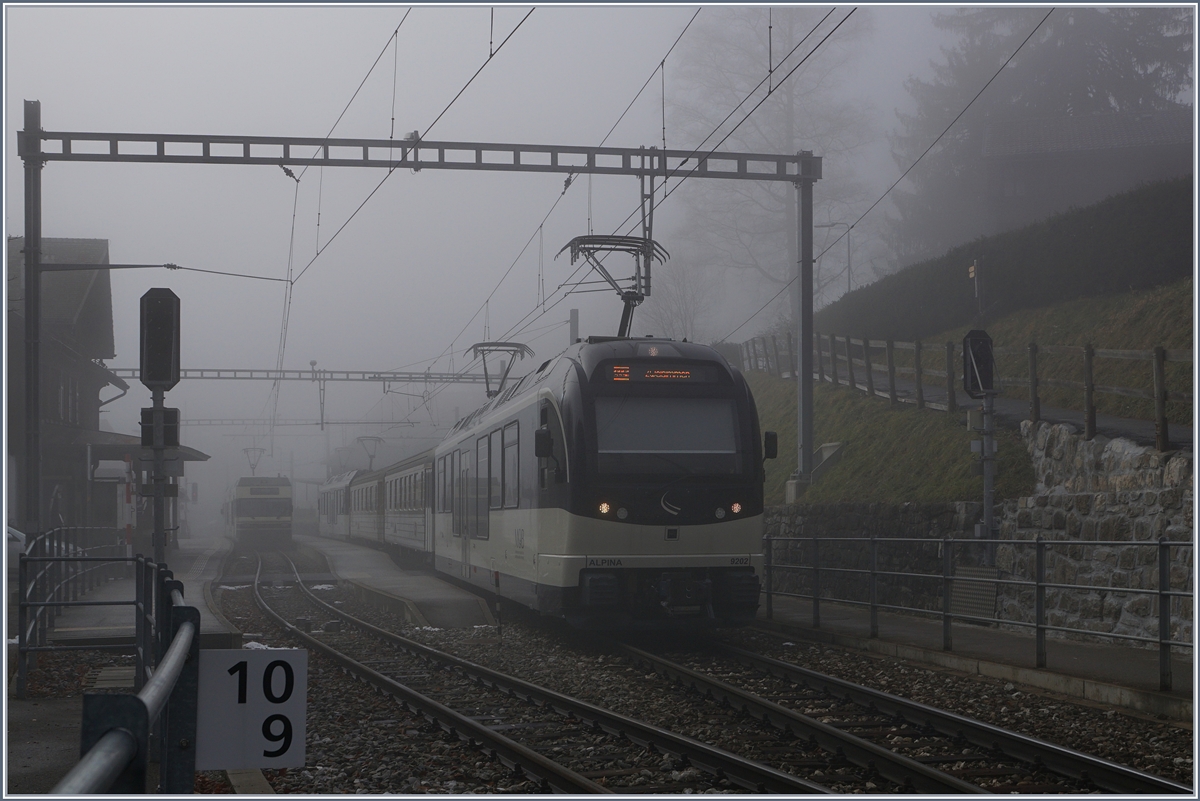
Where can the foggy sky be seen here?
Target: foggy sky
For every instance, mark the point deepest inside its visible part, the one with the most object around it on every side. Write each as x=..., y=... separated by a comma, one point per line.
x=397, y=285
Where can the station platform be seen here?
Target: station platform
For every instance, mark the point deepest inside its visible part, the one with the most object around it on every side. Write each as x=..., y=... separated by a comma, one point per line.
x=195, y=563
x=424, y=599
x=1113, y=674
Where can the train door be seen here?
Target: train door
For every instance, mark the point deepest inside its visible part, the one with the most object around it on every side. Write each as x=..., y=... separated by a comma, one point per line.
x=482, y=459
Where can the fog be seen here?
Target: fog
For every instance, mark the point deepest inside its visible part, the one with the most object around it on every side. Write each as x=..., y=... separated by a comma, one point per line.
x=404, y=283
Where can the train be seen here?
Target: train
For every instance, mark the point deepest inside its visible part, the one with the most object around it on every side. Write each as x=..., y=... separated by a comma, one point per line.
x=618, y=485
x=260, y=512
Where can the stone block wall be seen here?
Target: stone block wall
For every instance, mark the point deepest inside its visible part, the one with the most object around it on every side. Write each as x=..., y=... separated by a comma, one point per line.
x=1121, y=494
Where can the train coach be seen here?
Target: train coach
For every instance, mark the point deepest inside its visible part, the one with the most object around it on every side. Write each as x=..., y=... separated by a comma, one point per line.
x=261, y=514
x=619, y=485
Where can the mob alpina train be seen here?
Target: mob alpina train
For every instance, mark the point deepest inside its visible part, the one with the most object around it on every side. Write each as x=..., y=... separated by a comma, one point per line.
x=618, y=485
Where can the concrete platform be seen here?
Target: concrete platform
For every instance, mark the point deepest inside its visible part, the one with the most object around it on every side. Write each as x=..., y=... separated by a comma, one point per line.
x=422, y=598
x=1113, y=674
x=195, y=563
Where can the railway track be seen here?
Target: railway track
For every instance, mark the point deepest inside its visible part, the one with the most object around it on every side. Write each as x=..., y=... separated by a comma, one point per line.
x=476, y=704
x=822, y=709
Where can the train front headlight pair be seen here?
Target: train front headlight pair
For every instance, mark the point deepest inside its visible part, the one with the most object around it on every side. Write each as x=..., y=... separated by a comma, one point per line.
x=606, y=507
x=735, y=508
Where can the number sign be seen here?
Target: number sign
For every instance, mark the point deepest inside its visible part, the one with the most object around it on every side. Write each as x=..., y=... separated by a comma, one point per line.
x=252, y=709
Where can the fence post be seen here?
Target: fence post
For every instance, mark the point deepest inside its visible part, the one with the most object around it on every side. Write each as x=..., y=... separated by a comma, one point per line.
x=816, y=602
x=1089, y=393
x=1035, y=403
x=778, y=363
x=1162, y=438
x=139, y=625
x=22, y=622
x=850, y=365
x=917, y=368
x=820, y=356
x=794, y=368
x=833, y=375
x=890, y=347
x=1164, y=614
x=178, y=755
x=867, y=367
x=1039, y=602
x=753, y=354
x=769, y=575
x=874, y=588
x=947, y=569
x=951, y=395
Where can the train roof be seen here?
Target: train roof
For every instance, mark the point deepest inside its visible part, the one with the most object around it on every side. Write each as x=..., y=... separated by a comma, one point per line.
x=589, y=353
x=339, y=481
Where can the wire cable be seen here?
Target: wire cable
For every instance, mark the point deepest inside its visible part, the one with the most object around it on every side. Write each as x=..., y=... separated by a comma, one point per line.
x=906, y=172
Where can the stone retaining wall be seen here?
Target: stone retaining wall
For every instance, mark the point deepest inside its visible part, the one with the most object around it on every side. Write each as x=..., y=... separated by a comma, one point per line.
x=1114, y=491
x=1125, y=495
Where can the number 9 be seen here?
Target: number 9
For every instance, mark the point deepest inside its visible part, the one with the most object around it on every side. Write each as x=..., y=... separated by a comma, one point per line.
x=285, y=735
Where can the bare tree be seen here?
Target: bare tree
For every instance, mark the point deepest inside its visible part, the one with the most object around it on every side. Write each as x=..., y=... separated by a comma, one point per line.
x=680, y=307
x=745, y=226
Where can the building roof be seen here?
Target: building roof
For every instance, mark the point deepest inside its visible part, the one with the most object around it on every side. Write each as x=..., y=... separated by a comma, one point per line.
x=1025, y=136
x=76, y=305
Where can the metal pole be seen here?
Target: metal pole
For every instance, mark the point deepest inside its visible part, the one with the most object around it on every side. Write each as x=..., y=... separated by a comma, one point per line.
x=951, y=394
x=890, y=350
x=1039, y=602
x=947, y=571
x=989, y=475
x=850, y=365
x=874, y=588
x=804, y=319
x=917, y=368
x=30, y=147
x=816, y=603
x=160, y=480
x=867, y=368
x=574, y=326
x=1164, y=614
x=770, y=576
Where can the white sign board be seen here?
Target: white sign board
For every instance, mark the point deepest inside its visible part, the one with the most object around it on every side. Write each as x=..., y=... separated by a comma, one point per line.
x=252, y=707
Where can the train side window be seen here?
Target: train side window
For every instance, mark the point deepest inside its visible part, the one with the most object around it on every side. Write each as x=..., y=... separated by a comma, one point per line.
x=440, y=485
x=495, y=470
x=512, y=487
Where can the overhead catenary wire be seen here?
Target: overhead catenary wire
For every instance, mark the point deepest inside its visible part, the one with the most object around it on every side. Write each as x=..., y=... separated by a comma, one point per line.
x=392, y=169
x=896, y=183
x=698, y=150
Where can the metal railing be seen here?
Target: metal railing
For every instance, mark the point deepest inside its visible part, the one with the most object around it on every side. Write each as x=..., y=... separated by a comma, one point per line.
x=947, y=579
x=119, y=731
x=838, y=356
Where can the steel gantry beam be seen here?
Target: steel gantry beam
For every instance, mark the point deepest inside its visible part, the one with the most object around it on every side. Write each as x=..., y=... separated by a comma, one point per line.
x=36, y=147
x=235, y=421
x=319, y=375
x=416, y=154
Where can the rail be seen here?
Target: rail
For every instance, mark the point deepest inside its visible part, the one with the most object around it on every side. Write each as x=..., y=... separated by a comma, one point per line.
x=118, y=730
x=946, y=579
x=837, y=357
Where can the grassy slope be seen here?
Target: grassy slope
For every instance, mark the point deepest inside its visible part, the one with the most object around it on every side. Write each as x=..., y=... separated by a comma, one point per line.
x=904, y=454
x=1136, y=320
x=891, y=456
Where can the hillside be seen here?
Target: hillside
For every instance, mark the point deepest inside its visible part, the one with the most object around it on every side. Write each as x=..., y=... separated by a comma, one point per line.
x=1133, y=241
x=902, y=454
x=891, y=456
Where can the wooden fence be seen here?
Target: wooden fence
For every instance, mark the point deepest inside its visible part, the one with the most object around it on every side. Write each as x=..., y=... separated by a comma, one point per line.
x=856, y=362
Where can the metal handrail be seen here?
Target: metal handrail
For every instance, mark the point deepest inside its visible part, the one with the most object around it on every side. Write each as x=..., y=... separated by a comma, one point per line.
x=1164, y=641
x=115, y=762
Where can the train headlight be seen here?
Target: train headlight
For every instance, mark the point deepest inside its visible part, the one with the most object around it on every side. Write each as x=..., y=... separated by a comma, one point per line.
x=604, y=508
x=736, y=508
x=720, y=513
x=622, y=513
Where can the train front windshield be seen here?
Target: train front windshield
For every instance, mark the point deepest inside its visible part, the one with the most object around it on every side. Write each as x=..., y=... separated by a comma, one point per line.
x=264, y=507
x=690, y=435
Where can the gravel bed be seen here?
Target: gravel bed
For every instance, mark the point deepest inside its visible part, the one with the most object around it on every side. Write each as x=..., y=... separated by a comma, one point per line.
x=1164, y=748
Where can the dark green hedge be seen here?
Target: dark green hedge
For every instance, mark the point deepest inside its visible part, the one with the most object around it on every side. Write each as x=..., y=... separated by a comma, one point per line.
x=1136, y=240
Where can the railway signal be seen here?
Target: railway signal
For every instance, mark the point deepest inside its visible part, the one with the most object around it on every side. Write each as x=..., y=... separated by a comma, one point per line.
x=159, y=371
